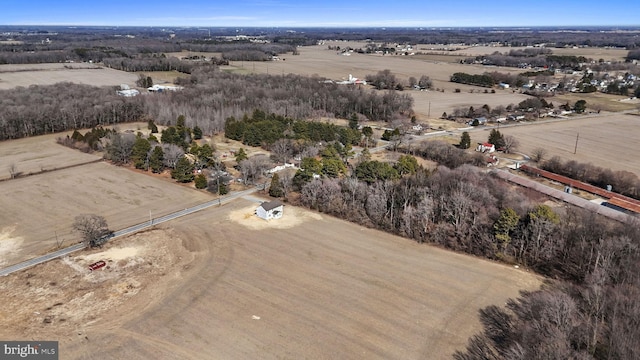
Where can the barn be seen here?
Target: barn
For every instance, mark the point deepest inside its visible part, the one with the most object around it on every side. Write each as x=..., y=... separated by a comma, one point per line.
x=270, y=210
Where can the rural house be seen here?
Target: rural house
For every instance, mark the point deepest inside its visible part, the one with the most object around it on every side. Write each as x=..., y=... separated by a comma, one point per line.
x=478, y=121
x=270, y=210
x=486, y=147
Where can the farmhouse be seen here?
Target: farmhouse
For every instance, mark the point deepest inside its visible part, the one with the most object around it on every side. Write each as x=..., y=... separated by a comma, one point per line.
x=270, y=210
x=486, y=147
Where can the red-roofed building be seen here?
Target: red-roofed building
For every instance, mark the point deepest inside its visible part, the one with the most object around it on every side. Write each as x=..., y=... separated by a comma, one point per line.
x=486, y=147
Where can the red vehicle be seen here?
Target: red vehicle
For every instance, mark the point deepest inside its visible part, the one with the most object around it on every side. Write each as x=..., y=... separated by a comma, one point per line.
x=97, y=265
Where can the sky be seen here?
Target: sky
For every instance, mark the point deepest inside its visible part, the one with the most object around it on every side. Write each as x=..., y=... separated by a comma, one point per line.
x=325, y=13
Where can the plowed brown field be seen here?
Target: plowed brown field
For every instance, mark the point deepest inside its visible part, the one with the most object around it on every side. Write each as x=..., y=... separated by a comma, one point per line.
x=610, y=141
x=49, y=74
x=222, y=284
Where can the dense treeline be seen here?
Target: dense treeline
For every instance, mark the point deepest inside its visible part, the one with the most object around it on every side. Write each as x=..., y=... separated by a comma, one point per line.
x=538, y=58
x=198, y=39
x=450, y=156
x=593, y=317
x=35, y=58
x=480, y=80
x=516, y=80
x=263, y=130
x=57, y=44
x=152, y=154
x=150, y=64
x=473, y=36
x=622, y=182
x=114, y=50
x=589, y=312
x=210, y=97
x=384, y=79
x=463, y=209
x=633, y=55
x=40, y=110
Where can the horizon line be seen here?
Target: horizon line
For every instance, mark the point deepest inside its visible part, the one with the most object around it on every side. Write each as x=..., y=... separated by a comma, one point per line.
x=337, y=26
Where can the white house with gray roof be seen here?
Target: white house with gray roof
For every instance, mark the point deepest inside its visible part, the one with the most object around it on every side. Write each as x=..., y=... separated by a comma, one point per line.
x=270, y=210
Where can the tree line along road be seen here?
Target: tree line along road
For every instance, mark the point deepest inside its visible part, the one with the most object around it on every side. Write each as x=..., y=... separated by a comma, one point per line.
x=127, y=231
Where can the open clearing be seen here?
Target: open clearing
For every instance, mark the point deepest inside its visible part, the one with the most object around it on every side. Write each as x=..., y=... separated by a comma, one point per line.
x=223, y=284
x=598, y=101
x=48, y=74
x=39, y=153
x=606, y=140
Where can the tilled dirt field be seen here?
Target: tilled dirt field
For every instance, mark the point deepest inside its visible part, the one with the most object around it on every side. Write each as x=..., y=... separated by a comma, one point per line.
x=222, y=284
x=49, y=74
x=606, y=140
x=37, y=211
x=39, y=153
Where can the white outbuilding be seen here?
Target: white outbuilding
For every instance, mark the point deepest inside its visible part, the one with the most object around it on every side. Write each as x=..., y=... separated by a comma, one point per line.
x=270, y=210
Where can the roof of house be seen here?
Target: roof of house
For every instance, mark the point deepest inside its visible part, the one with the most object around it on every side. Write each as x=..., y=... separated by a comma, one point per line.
x=489, y=145
x=270, y=205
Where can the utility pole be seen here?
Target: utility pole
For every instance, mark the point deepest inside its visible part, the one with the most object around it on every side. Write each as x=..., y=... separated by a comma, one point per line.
x=150, y=218
x=575, y=149
x=429, y=113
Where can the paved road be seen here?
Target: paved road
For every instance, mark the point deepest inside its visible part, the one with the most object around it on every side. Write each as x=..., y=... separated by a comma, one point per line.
x=130, y=230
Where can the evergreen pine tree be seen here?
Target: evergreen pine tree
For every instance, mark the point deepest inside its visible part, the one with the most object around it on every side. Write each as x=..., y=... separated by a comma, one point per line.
x=201, y=181
x=276, y=189
x=465, y=141
x=155, y=160
x=183, y=172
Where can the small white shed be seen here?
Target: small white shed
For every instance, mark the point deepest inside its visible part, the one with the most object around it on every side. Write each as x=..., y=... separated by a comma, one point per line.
x=270, y=210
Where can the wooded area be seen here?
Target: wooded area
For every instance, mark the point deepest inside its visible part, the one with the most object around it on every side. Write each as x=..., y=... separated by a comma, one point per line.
x=41, y=110
x=590, y=309
x=209, y=98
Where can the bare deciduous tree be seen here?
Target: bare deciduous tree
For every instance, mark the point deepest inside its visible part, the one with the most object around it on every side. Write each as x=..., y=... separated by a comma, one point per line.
x=286, y=180
x=253, y=167
x=13, y=170
x=282, y=150
x=309, y=193
x=538, y=154
x=92, y=228
x=172, y=153
x=120, y=147
x=510, y=144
